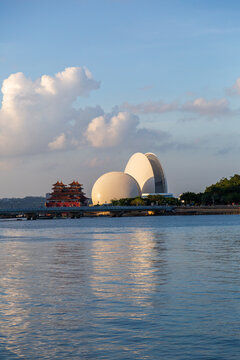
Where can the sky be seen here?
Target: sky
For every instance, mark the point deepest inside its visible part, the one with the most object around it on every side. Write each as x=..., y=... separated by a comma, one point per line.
x=87, y=83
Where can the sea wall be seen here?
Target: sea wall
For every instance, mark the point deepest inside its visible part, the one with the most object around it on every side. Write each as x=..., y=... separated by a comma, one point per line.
x=207, y=210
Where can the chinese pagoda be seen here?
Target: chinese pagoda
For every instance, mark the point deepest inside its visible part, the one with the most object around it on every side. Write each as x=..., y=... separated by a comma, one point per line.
x=66, y=196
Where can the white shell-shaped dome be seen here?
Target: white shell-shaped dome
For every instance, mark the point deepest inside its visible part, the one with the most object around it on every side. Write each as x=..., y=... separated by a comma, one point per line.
x=159, y=177
x=140, y=168
x=114, y=186
x=148, y=172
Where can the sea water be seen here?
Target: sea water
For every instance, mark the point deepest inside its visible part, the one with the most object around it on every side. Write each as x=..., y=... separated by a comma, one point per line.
x=120, y=288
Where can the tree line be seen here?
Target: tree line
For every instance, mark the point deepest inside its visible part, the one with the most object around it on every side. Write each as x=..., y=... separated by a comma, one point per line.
x=149, y=200
x=224, y=192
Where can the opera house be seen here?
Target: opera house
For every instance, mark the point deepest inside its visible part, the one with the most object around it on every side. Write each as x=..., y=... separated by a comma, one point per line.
x=143, y=175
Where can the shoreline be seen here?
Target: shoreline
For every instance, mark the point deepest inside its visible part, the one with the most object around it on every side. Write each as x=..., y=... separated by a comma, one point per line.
x=171, y=211
x=186, y=210
x=207, y=210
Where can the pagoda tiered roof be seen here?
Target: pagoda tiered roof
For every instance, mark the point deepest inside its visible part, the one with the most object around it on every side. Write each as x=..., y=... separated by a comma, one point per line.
x=63, y=195
x=75, y=183
x=59, y=183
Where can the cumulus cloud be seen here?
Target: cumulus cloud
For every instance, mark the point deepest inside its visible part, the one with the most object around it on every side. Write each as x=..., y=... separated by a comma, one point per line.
x=123, y=128
x=34, y=113
x=39, y=116
x=105, y=131
x=59, y=143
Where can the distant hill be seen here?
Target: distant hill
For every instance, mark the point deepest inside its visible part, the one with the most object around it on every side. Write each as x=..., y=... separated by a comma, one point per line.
x=23, y=203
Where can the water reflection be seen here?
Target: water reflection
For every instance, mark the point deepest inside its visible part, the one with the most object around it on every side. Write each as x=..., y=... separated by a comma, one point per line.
x=14, y=294
x=39, y=282
x=130, y=267
x=80, y=291
x=38, y=285
x=8, y=234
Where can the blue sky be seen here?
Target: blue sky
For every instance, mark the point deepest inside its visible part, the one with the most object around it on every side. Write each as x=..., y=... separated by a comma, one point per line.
x=170, y=66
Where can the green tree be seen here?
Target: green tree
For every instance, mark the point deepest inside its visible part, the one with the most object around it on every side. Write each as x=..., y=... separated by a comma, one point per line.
x=137, y=202
x=191, y=198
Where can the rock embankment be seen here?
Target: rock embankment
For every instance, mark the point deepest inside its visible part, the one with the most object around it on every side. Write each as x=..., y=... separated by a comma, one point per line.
x=207, y=210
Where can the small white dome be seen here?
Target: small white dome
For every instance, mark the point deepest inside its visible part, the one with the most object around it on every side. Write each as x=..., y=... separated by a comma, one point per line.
x=114, y=186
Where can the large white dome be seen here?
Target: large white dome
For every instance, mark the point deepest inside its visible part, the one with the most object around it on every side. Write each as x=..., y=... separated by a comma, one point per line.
x=159, y=177
x=114, y=186
x=140, y=168
x=148, y=172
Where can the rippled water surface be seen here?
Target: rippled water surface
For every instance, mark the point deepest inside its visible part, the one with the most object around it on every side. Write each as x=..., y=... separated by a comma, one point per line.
x=120, y=288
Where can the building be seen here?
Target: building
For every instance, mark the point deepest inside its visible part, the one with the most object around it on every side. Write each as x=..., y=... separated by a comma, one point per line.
x=148, y=172
x=114, y=185
x=66, y=196
x=143, y=174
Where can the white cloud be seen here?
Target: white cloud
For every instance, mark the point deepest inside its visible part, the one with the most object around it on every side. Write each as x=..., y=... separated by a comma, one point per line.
x=33, y=113
x=105, y=131
x=123, y=129
x=199, y=106
x=211, y=108
x=59, y=143
x=39, y=116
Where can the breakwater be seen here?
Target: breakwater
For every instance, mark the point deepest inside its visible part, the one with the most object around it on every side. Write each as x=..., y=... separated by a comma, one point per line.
x=207, y=210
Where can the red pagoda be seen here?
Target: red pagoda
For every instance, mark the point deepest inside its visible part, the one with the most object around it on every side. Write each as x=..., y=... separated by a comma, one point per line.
x=66, y=196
